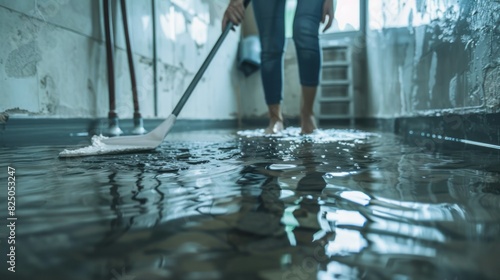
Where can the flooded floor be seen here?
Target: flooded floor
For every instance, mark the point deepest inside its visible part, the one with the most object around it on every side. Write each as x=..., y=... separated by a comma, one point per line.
x=218, y=204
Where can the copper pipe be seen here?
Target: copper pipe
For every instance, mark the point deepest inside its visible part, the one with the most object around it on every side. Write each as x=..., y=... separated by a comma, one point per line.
x=109, y=60
x=135, y=98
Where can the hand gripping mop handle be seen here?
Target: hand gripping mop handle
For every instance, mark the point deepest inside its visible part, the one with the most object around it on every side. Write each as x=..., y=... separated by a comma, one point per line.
x=204, y=67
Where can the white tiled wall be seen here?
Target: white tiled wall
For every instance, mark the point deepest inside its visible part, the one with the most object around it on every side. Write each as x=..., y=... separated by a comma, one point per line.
x=53, y=61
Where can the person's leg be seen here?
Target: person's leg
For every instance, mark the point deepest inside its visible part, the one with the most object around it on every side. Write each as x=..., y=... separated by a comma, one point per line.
x=307, y=119
x=305, y=35
x=270, y=18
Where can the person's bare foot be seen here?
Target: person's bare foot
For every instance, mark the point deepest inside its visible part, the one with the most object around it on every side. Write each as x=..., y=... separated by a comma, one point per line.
x=275, y=120
x=307, y=124
x=275, y=126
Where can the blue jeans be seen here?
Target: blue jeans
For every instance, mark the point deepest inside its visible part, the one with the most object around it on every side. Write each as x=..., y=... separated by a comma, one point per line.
x=270, y=18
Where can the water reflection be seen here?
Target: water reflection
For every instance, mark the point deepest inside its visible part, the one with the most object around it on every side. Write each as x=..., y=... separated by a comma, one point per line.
x=339, y=204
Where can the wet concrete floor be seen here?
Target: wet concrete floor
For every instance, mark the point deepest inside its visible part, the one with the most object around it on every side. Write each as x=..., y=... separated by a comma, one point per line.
x=339, y=204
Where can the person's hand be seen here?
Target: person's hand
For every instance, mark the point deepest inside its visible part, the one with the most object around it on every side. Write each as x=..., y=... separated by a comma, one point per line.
x=235, y=12
x=327, y=11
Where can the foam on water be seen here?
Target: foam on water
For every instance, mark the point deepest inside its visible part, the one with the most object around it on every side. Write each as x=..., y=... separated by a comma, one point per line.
x=99, y=148
x=292, y=134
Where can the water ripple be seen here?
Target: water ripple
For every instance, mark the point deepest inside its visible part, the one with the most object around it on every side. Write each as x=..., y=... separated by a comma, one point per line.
x=343, y=202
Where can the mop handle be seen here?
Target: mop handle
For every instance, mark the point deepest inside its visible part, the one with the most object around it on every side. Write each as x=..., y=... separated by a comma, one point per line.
x=204, y=67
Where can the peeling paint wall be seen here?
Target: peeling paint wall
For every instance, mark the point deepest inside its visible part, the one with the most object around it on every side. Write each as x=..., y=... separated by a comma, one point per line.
x=53, y=59
x=427, y=57
x=423, y=57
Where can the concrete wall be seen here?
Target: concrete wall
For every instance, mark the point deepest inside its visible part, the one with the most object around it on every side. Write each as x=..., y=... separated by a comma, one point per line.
x=428, y=57
x=53, y=59
x=423, y=57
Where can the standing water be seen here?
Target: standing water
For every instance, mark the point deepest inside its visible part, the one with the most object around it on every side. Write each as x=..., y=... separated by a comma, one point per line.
x=339, y=204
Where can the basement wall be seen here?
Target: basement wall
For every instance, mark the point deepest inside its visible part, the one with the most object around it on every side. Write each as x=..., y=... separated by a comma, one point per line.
x=53, y=59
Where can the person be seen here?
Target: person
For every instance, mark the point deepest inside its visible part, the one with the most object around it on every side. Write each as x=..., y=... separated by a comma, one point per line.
x=270, y=18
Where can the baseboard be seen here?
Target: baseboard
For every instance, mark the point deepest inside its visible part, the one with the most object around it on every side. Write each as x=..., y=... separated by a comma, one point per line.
x=18, y=132
x=454, y=131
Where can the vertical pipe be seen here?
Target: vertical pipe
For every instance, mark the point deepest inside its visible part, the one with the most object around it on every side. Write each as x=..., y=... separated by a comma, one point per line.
x=109, y=61
x=138, y=123
x=114, y=128
x=130, y=58
x=363, y=16
x=155, y=54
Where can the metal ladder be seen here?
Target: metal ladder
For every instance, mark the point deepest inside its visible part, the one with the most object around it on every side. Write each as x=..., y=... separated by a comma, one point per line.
x=336, y=95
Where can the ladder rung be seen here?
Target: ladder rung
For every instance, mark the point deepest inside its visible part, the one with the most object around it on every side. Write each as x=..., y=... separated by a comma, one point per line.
x=336, y=64
x=335, y=82
x=335, y=99
x=334, y=46
x=350, y=116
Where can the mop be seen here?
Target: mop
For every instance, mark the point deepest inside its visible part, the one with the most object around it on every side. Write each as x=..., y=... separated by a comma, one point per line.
x=102, y=145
